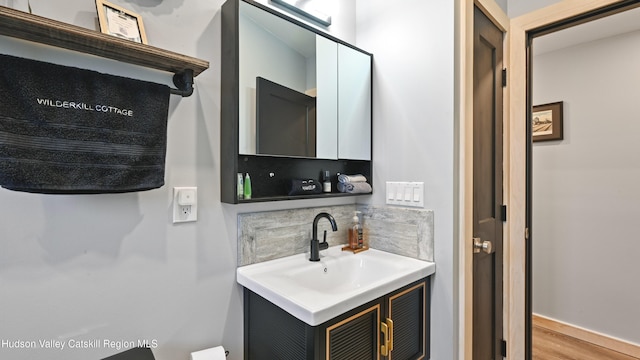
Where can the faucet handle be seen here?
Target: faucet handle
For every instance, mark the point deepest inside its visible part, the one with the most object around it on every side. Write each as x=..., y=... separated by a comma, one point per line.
x=324, y=244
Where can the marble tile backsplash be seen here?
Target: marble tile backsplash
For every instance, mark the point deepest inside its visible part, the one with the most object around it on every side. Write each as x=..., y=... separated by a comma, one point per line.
x=401, y=231
x=270, y=235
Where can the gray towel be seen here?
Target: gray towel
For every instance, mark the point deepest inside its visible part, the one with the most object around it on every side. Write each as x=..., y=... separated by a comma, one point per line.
x=351, y=178
x=354, y=188
x=70, y=130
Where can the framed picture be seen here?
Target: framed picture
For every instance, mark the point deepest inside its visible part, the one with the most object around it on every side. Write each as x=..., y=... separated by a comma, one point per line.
x=120, y=22
x=547, y=122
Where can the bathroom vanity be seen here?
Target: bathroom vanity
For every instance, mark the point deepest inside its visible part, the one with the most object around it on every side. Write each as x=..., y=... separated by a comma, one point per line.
x=393, y=326
x=370, y=305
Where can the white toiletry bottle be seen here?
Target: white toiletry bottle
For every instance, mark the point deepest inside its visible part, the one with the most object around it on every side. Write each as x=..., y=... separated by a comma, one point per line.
x=240, y=187
x=326, y=181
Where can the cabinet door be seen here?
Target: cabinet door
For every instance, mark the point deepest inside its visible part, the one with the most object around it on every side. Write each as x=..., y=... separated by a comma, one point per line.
x=356, y=337
x=409, y=312
x=354, y=104
x=272, y=333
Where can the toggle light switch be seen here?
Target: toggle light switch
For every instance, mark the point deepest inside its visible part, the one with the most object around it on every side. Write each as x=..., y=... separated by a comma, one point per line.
x=416, y=194
x=391, y=188
x=408, y=191
x=405, y=193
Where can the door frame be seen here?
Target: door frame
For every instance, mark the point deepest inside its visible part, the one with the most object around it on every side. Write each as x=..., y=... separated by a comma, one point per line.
x=464, y=156
x=515, y=160
x=521, y=28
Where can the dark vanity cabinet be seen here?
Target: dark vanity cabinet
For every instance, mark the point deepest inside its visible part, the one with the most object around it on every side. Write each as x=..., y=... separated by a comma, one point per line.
x=395, y=326
x=314, y=116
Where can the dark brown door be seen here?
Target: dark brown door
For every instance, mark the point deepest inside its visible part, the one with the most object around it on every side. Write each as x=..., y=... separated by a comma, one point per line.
x=487, y=189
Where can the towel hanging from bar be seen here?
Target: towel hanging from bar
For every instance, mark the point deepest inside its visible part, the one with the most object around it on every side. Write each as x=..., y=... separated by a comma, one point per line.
x=74, y=131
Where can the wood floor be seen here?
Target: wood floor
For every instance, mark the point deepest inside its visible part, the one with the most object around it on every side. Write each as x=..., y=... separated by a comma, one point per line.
x=550, y=345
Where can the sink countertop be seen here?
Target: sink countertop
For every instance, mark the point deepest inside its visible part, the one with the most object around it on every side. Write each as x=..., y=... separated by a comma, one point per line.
x=315, y=292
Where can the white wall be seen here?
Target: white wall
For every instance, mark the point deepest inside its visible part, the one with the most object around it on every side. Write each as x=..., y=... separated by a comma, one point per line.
x=586, y=199
x=263, y=54
x=113, y=266
x=413, y=129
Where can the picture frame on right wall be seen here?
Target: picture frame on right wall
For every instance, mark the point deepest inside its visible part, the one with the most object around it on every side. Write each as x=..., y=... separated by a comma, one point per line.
x=547, y=122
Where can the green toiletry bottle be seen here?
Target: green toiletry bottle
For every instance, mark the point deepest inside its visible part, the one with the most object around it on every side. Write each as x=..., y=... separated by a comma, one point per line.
x=247, y=187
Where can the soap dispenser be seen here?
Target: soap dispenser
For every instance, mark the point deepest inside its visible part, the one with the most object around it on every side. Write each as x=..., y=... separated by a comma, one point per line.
x=355, y=233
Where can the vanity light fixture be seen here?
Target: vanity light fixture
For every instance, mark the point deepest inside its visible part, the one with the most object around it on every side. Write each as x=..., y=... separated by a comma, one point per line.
x=305, y=8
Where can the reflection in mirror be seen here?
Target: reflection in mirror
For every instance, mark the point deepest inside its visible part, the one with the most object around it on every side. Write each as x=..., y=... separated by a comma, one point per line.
x=285, y=120
x=274, y=49
x=354, y=112
x=327, y=101
x=296, y=58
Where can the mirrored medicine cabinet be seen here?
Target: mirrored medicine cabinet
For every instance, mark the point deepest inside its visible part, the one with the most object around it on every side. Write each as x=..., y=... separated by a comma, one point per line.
x=294, y=102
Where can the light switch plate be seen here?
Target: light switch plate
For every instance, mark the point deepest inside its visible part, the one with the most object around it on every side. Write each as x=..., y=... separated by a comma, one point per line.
x=405, y=193
x=185, y=204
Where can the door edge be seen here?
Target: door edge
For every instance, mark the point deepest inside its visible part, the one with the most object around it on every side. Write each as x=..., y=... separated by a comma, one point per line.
x=464, y=213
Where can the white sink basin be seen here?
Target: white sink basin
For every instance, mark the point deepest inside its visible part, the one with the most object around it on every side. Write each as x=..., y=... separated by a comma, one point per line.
x=315, y=292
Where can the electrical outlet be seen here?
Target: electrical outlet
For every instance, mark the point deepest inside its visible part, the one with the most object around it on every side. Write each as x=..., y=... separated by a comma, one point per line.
x=185, y=204
x=185, y=210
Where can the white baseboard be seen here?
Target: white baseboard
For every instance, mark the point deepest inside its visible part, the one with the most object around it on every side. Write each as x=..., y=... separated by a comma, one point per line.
x=589, y=336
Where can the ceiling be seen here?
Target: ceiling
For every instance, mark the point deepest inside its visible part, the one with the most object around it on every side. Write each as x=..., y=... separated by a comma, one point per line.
x=628, y=21
x=621, y=23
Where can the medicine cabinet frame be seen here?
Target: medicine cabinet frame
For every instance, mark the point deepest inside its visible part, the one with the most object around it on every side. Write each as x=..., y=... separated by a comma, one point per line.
x=270, y=174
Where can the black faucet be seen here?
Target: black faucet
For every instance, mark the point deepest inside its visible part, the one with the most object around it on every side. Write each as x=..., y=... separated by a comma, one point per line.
x=316, y=245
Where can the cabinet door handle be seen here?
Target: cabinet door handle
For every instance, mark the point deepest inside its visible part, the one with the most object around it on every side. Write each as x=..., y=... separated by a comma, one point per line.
x=387, y=330
x=390, y=325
